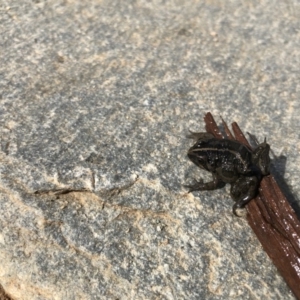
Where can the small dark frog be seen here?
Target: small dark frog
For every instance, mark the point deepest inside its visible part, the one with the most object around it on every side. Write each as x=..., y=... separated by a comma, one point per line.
x=231, y=162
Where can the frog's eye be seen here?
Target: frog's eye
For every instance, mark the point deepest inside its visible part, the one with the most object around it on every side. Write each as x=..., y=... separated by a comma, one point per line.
x=198, y=160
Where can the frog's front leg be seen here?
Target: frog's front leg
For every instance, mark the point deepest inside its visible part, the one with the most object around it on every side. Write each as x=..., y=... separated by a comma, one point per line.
x=205, y=186
x=243, y=190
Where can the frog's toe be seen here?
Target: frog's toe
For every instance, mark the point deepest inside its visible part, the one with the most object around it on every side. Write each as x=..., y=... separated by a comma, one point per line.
x=239, y=210
x=196, y=186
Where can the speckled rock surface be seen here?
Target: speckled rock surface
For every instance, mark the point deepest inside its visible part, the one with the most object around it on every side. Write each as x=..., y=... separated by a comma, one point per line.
x=96, y=99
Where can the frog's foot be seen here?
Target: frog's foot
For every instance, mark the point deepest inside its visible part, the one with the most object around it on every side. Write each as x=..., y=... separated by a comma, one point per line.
x=239, y=210
x=199, y=135
x=206, y=186
x=197, y=186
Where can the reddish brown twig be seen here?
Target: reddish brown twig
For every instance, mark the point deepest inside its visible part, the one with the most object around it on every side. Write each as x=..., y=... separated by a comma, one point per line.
x=271, y=218
x=3, y=295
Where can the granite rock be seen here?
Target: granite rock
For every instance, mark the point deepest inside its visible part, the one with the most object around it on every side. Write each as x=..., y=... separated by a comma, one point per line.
x=96, y=99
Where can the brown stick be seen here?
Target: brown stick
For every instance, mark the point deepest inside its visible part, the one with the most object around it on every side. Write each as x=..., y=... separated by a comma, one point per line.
x=3, y=295
x=271, y=218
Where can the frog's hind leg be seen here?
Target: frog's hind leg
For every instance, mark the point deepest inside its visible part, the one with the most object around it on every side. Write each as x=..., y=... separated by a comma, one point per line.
x=216, y=183
x=243, y=190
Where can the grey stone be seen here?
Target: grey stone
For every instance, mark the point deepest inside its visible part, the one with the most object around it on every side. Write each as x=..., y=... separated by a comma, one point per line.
x=96, y=100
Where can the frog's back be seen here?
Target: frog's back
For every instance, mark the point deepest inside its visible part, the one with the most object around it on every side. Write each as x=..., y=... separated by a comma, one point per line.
x=224, y=153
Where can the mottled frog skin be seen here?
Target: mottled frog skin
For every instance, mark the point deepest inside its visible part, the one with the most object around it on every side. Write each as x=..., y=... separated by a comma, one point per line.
x=230, y=162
